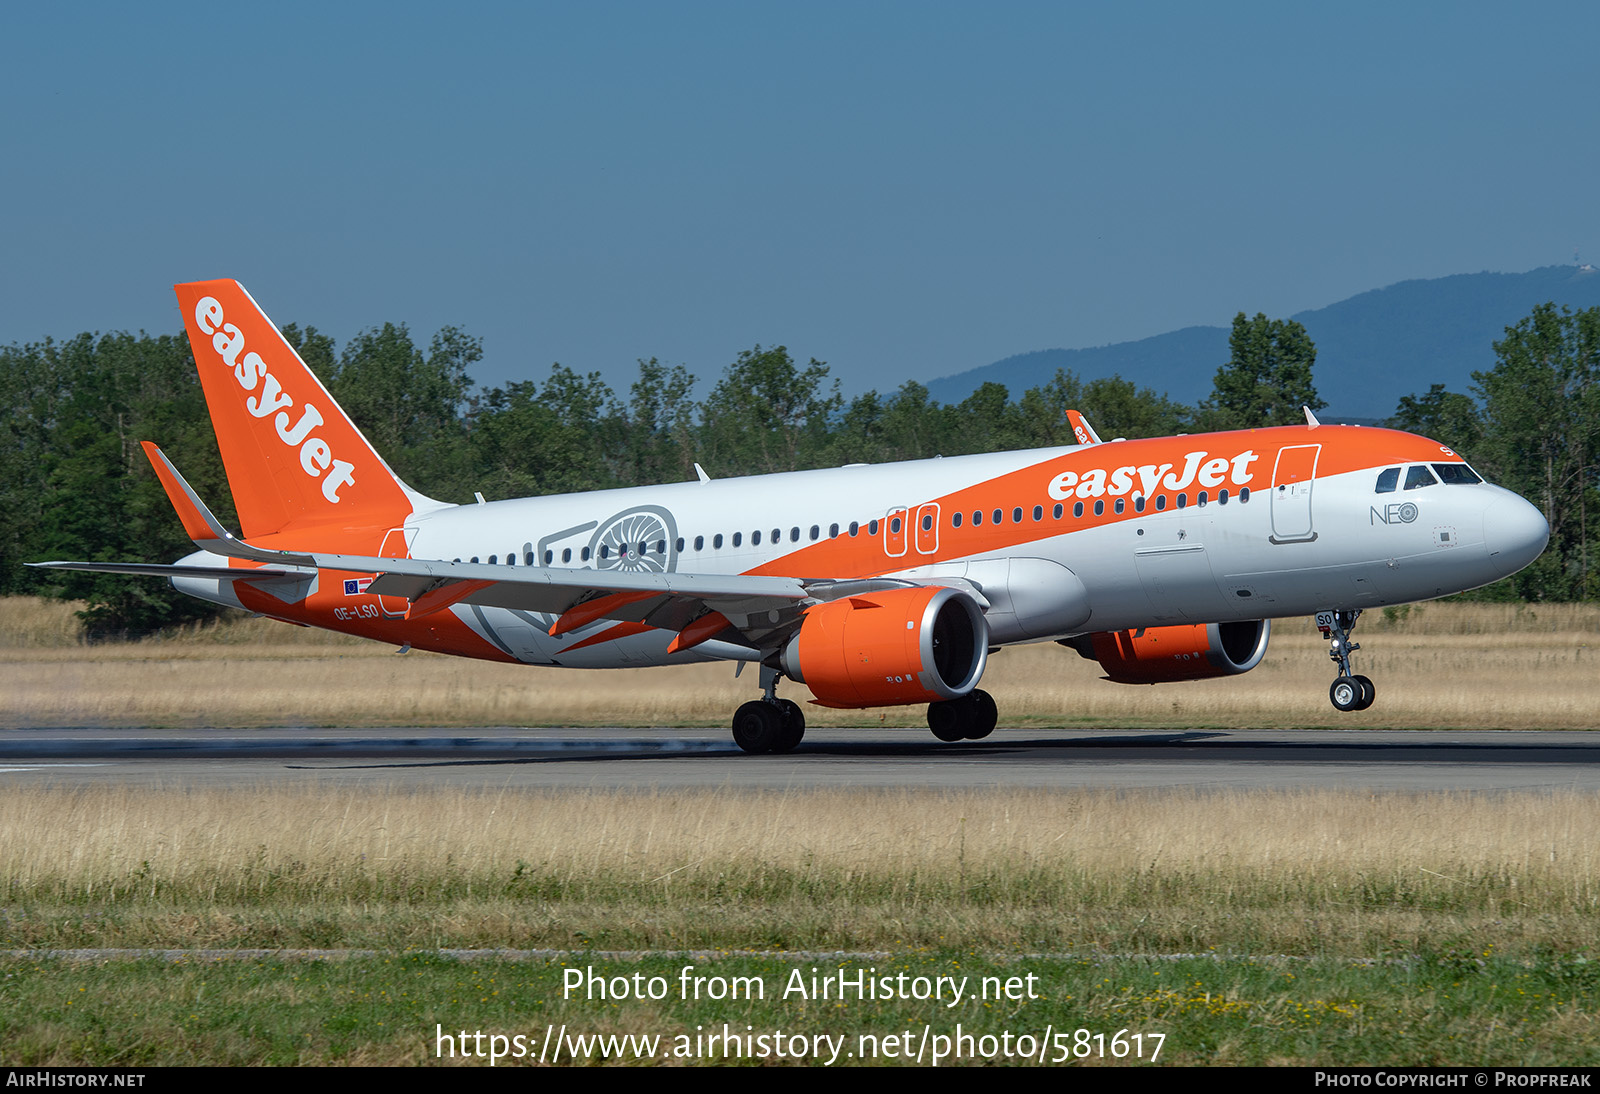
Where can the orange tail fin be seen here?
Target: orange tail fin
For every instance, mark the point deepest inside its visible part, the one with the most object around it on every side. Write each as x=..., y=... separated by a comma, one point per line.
x=293, y=457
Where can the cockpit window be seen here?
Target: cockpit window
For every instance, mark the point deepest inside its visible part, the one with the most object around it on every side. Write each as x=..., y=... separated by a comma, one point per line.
x=1456, y=474
x=1419, y=476
x=1388, y=480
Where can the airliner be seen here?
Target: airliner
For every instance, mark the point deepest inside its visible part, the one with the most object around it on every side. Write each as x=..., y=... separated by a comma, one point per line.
x=873, y=585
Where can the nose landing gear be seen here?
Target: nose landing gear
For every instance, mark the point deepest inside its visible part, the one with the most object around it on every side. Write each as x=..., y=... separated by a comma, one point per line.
x=1348, y=691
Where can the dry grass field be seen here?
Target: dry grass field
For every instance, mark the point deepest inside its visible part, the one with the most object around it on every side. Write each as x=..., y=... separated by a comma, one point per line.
x=1436, y=665
x=1319, y=873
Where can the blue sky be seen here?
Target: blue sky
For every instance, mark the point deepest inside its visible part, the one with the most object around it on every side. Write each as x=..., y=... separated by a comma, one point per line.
x=901, y=190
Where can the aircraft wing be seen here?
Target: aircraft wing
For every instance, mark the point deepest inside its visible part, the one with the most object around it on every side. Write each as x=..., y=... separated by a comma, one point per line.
x=754, y=612
x=577, y=597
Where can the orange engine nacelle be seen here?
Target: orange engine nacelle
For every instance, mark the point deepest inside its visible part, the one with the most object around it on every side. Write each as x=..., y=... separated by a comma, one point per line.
x=1156, y=655
x=918, y=645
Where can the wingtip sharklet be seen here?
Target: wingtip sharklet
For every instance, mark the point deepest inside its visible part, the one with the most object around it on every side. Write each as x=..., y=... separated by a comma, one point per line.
x=1081, y=429
x=200, y=523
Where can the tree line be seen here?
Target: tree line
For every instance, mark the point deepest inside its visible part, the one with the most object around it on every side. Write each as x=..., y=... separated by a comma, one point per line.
x=75, y=484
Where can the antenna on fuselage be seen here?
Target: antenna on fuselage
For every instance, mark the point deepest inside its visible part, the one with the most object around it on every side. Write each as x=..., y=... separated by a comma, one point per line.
x=1311, y=419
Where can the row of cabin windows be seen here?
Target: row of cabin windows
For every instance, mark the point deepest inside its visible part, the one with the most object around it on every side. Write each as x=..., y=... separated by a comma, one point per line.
x=997, y=516
x=1118, y=506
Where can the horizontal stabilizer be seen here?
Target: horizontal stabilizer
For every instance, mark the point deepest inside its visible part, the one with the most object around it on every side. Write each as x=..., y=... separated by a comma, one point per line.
x=151, y=569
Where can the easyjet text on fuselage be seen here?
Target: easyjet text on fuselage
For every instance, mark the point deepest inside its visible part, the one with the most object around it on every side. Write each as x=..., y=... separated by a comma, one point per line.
x=1144, y=480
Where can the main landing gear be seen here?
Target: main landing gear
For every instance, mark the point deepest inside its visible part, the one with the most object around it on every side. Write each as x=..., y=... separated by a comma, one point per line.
x=1348, y=692
x=969, y=718
x=769, y=724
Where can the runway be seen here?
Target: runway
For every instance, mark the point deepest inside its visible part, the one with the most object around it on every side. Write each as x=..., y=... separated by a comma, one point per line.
x=1489, y=761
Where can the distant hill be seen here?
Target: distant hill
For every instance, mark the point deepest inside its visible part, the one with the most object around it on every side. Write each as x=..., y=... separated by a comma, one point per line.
x=1371, y=349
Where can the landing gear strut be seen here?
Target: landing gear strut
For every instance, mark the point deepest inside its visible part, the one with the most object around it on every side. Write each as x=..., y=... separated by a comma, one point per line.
x=969, y=718
x=1348, y=692
x=769, y=724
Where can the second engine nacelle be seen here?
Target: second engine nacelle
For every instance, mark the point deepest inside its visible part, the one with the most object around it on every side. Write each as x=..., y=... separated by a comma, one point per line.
x=1156, y=655
x=919, y=645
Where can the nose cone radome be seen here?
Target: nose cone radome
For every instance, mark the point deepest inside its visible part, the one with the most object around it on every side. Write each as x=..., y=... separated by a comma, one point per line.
x=1515, y=533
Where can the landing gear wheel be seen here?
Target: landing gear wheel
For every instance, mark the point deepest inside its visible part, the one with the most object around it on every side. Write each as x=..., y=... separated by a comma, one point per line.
x=758, y=726
x=1368, y=692
x=794, y=726
x=983, y=713
x=1346, y=694
x=1349, y=691
x=949, y=719
x=969, y=718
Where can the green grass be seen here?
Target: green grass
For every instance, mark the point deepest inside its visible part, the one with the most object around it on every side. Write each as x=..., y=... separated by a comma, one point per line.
x=1437, y=1009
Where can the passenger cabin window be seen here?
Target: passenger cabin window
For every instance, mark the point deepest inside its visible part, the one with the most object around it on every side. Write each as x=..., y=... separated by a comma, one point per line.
x=1016, y=515
x=854, y=528
x=1122, y=503
x=1456, y=474
x=755, y=539
x=566, y=554
x=955, y=520
x=1077, y=508
x=977, y=517
x=872, y=528
x=699, y=543
x=716, y=541
x=1057, y=511
x=1388, y=479
x=1038, y=512
x=999, y=516
x=1419, y=476
x=1099, y=508
x=738, y=537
